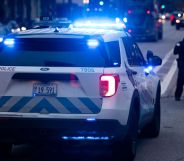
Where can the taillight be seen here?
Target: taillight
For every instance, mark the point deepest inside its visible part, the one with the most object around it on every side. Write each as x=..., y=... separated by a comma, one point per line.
x=148, y=12
x=108, y=85
x=172, y=17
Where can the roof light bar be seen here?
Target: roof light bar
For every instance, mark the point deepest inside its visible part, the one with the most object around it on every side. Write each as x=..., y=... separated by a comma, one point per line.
x=89, y=24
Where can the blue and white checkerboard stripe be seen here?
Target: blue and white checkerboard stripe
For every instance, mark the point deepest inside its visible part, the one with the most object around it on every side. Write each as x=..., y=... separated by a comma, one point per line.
x=43, y=104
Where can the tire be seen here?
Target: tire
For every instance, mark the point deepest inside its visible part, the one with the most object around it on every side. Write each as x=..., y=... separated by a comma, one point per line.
x=177, y=27
x=155, y=37
x=5, y=149
x=152, y=130
x=126, y=149
x=160, y=35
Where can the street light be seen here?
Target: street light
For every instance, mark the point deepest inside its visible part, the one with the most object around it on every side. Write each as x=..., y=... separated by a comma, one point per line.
x=85, y=1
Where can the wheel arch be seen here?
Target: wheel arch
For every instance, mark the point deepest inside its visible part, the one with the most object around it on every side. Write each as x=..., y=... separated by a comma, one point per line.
x=135, y=102
x=158, y=89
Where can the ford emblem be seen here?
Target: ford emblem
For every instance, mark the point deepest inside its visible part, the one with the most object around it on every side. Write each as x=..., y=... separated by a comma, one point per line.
x=44, y=69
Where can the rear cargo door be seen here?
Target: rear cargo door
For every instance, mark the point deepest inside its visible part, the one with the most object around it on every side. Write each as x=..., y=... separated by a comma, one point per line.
x=50, y=77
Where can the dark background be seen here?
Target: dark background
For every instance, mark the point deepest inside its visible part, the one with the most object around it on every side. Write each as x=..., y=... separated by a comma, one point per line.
x=24, y=11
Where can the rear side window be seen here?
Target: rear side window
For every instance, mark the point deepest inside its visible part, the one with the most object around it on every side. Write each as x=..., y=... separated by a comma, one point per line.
x=113, y=51
x=59, y=52
x=133, y=53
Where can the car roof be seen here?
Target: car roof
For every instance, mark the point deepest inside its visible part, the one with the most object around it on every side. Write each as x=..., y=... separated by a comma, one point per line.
x=69, y=32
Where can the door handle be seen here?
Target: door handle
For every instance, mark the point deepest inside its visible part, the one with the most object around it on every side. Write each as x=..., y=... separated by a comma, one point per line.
x=146, y=73
x=134, y=72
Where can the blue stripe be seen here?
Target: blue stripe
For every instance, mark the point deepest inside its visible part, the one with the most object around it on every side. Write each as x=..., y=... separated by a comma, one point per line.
x=3, y=100
x=90, y=105
x=20, y=104
x=68, y=105
x=44, y=104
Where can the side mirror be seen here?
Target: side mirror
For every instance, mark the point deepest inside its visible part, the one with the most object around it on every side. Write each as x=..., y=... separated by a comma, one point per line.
x=155, y=61
x=149, y=54
x=152, y=59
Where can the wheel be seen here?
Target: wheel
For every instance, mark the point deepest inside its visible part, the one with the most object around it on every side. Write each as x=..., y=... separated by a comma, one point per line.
x=152, y=130
x=177, y=27
x=160, y=35
x=5, y=149
x=126, y=148
x=155, y=37
x=172, y=23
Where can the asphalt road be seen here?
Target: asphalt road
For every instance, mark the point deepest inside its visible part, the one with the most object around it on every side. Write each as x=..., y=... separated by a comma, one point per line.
x=169, y=146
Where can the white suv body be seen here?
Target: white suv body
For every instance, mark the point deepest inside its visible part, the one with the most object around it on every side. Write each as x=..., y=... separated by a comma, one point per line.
x=41, y=89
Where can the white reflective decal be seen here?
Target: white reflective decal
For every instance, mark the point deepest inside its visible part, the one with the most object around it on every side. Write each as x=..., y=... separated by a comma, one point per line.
x=124, y=86
x=87, y=70
x=7, y=69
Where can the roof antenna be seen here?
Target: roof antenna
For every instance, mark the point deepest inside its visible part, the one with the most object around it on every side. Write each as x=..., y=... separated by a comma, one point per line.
x=56, y=29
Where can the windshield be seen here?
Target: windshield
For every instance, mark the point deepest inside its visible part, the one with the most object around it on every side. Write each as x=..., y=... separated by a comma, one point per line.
x=54, y=52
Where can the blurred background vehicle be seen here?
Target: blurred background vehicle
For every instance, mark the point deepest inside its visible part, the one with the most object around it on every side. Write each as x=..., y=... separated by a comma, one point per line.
x=167, y=15
x=174, y=16
x=46, y=22
x=143, y=20
x=2, y=30
x=180, y=21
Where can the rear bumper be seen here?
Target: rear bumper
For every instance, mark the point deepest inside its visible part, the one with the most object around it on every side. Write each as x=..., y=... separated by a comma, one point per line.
x=181, y=24
x=17, y=130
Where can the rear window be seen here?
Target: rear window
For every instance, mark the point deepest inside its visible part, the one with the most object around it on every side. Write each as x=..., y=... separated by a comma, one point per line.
x=54, y=52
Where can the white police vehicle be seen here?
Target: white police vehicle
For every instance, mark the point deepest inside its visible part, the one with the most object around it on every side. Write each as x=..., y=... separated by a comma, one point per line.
x=77, y=83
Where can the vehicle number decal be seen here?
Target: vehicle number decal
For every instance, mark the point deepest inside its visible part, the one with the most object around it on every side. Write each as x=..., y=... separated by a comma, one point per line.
x=87, y=70
x=124, y=86
x=41, y=89
x=7, y=69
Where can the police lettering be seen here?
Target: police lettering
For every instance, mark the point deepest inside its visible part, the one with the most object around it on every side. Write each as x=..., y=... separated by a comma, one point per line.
x=7, y=69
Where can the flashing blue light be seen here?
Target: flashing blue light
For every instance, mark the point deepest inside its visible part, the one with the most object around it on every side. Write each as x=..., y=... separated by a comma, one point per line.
x=148, y=69
x=100, y=25
x=93, y=43
x=1, y=39
x=9, y=42
x=125, y=20
x=86, y=137
x=115, y=63
x=101, y=3
x=90, y=119
x=117, y=19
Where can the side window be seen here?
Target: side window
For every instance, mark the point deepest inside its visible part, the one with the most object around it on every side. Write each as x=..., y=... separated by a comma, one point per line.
x=133, y=53
x=113, y=51
x=139, y=59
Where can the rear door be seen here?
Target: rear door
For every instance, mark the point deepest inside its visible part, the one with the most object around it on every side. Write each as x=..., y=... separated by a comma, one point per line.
x=50, y=76
x=143, y=80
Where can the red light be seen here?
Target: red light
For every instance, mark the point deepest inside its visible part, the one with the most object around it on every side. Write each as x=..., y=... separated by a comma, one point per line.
x=108, y=85
x=172, y=17
x=148, y=12
x=73, y=81
x=130, y=31
x=129, y=11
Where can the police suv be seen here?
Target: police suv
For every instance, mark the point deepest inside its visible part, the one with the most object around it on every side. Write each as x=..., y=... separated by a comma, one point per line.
x=84, y=82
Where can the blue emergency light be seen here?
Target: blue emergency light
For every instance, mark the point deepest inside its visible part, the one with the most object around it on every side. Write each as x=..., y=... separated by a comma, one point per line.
x=9, y=42
x=86, y=137
x=92, y=43
x=148, y=69
x=125, y=20
x=1, y=39
x=100, y=25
